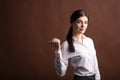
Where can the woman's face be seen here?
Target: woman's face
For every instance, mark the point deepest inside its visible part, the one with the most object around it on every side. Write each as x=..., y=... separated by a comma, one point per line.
x=80, y=25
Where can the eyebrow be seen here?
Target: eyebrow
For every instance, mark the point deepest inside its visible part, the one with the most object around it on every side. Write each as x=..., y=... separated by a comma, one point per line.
x=81, y=20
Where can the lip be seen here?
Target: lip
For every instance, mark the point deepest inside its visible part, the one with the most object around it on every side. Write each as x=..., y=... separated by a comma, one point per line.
x=82, y=29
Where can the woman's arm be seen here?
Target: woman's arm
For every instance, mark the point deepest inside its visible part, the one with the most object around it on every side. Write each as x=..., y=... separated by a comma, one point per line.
x=60, y=63
x=97, y=73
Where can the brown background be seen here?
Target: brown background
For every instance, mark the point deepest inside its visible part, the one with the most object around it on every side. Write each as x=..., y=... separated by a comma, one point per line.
x=27, y=25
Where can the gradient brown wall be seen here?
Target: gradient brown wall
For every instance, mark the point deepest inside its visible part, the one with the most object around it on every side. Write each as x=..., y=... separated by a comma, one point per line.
x=27, y=25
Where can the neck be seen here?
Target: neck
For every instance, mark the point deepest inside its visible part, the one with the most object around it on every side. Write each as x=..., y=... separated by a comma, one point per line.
x=78, y=37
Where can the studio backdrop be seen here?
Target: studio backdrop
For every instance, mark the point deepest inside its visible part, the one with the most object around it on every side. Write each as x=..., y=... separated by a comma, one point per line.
x=27, y=25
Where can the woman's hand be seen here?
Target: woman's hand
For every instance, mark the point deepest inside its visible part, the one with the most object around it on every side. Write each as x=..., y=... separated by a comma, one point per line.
x=55, y=42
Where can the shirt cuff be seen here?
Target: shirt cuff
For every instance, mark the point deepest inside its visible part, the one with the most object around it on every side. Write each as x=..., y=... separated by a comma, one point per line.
x=58, y=52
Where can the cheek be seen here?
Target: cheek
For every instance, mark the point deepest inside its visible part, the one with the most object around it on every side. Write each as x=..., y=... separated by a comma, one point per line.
x=75, y=26
x=86, y=26
x=78, y=26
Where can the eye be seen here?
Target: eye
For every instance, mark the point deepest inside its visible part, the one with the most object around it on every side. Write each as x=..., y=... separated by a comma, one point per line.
x=86, y=22
x=79, y=22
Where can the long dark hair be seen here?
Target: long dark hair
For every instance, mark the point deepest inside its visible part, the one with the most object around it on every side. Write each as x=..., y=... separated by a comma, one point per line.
x=75, y=15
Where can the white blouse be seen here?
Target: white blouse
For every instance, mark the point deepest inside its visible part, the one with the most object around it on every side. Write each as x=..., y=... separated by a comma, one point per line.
x=83, y=60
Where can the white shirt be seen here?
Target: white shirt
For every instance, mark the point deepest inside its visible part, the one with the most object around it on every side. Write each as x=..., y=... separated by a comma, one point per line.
x=83, y=60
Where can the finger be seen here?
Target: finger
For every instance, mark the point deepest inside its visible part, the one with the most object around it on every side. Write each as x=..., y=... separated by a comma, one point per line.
x=56, y=45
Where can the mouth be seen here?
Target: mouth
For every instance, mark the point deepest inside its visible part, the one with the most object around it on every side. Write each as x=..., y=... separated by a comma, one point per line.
x=82, y=29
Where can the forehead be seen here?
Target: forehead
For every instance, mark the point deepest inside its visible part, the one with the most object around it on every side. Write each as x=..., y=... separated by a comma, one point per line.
x=83, y=18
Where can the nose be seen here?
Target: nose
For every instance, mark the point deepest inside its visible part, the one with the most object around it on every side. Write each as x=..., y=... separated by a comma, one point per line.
x=83, y=25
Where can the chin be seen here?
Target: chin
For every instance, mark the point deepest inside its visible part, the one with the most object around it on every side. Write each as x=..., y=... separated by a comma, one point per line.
x=82, y=32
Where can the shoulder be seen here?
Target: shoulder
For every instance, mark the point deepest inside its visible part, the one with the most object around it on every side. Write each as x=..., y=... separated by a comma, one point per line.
x=64, y=47
x=65, y=43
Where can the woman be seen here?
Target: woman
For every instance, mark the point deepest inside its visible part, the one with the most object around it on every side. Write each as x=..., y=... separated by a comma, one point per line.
x=77, y=49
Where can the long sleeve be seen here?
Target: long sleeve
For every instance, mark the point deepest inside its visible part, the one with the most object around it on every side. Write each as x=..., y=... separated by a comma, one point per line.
x=61, y=63
x=97, y=73
x=96, y=67
x=83, y=60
